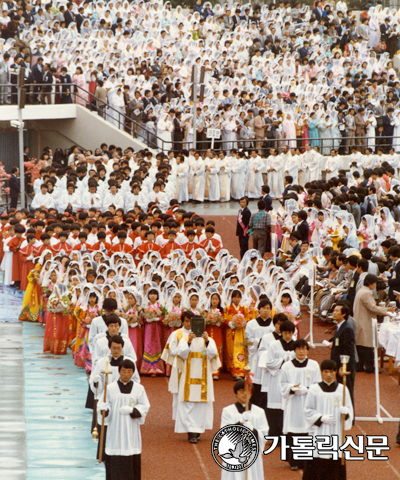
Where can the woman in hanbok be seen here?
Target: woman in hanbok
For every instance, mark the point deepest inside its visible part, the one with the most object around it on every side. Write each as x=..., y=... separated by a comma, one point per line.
x=236, y=317
x=289, y=132
x=384, y=225
x=165, y=128
x=366, y=230
x=80, y=97
x=312, y=130
x=153, y=313
x=324, y=127
x=49, y=276
x=214, y=322
x=90, y=309
x=351, y=235
x=288, y=304
x=133, y=314
x=371, y=122
x=31, y=303
x=56, y=334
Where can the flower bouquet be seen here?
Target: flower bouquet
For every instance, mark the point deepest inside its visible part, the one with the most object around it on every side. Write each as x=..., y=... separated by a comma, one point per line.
x=238, y=321
x=58, y=305
x=173, y=318
x=214, y=319
x=152, y=313
x=133, y=316
x=90, y=315
x=291, y=314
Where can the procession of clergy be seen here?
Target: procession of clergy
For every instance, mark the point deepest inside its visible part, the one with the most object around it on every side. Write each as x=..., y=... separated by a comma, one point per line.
x=118, y=289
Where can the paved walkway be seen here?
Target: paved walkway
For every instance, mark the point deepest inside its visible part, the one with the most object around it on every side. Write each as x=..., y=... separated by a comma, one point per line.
x=57, y=424
x=44, y=427
x=12, y=421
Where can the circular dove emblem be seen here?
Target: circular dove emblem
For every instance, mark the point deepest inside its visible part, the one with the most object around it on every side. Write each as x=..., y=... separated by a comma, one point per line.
x=235, y=448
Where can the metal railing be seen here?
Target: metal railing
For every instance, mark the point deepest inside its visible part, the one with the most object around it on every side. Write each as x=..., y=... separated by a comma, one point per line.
x=150, y=137
x=56, y=94
x=263, y=146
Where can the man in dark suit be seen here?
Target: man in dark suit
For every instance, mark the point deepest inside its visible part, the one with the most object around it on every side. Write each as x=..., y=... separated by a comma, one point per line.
x=178, y=132
x=301, y=225
x=344, y=343
x=243, y=225
x=267, y=198
x=273, y=37
x=317, y=11
x=48, y=80
x=37, y=78
x=388, y=128
x=288, y=184
x=236, y=18
x=14, y=78
x=394, y=281
x=14, y=186
x=69, y=15
x=80, y=18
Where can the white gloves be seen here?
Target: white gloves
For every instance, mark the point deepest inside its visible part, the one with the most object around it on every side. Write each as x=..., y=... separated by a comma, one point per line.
x=344, y=410
x=102, y=406
x=246, y=416
x=287, y=357
x=127, y=410
x=328, y=419
x=230, y=325
x=248, y=425
x=300, y=390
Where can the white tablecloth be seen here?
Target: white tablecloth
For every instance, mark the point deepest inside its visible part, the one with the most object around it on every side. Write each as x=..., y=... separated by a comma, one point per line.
x=389, y=338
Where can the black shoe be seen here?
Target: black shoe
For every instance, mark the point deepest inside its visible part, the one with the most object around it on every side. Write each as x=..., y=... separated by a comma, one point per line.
x=360, y=370
x=193, y=440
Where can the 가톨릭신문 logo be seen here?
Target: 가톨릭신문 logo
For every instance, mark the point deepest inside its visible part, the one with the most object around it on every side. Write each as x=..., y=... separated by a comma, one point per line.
x=235, y=448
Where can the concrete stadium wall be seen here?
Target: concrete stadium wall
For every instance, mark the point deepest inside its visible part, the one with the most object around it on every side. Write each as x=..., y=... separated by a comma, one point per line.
x=66, y=125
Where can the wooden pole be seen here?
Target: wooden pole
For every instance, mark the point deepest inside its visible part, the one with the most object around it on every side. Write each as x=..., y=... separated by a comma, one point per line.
x=103, y=415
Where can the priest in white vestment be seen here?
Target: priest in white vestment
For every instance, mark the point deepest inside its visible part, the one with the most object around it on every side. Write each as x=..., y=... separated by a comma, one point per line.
x=197, y=359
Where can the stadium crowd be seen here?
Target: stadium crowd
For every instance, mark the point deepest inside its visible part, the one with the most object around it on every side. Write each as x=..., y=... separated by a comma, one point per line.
x=110, y=259
x=275, y=75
